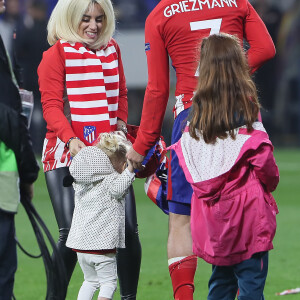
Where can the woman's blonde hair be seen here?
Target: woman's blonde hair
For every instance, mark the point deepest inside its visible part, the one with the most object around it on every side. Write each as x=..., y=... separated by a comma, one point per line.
x=115, y=145
x=66, y=17
x=226, y=96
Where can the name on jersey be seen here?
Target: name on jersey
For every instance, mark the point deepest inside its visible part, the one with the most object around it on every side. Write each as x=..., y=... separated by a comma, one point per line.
x=194, y=5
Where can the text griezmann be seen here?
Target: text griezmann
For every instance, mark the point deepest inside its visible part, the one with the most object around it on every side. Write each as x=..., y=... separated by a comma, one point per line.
x=194, y=5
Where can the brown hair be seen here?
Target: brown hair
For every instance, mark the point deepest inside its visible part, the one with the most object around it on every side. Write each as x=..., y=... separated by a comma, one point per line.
x=226, y=93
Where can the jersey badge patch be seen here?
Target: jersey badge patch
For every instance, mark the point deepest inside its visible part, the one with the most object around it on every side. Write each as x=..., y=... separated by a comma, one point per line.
x=89, y=133
x=147, y=46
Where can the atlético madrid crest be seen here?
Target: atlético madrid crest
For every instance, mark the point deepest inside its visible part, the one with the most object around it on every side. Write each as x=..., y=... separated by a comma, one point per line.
x=89, y=133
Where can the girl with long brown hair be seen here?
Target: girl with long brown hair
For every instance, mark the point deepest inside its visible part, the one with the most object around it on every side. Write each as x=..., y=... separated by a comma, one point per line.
x=224, y=90
x=227, y=157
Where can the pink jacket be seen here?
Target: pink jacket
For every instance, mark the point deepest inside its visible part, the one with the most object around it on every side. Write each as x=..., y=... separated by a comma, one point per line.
x=233, y=214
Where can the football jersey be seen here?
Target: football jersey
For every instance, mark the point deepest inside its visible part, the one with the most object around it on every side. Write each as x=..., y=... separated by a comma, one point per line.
x=174, y=30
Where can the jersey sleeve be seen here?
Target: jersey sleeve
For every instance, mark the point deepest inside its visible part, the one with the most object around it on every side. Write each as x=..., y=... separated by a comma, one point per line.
x=123, y=100
x=51, y=72
x=256, y=34
x=157, y=91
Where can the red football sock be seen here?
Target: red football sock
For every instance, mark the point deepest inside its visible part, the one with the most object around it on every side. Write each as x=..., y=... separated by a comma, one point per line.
x=182, y=275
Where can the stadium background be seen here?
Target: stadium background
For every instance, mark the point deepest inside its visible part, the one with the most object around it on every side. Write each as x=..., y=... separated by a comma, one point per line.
x=279, y=89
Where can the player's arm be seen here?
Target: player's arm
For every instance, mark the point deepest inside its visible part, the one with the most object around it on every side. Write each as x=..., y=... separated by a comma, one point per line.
x=261, y=45
x=157, y=91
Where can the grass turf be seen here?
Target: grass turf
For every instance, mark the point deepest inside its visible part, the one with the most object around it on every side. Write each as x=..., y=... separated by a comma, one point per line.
x=284, y=266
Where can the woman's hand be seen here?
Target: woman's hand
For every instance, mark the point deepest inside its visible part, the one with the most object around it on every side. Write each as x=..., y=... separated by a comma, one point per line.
x=75, y=146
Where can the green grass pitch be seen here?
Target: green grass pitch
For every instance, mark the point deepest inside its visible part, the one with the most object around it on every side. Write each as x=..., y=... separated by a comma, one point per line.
x=284, y=264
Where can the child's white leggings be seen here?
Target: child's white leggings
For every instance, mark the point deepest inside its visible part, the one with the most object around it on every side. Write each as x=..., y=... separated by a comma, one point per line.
x=100, y=271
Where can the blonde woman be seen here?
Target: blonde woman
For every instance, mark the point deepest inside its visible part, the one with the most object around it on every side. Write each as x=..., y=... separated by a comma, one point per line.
x=83, y=93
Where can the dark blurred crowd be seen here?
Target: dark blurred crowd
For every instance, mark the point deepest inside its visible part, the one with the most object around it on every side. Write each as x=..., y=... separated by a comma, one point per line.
x=278, y=81
x=23, y=28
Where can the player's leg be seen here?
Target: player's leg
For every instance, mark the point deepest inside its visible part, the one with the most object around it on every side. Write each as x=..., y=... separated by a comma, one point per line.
x=251, y=275
x=182, y=261
x=129, y=258
x=179, y=239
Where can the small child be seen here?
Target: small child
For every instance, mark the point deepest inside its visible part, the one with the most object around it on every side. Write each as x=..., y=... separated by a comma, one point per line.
x=101, y=180
x=228, y=158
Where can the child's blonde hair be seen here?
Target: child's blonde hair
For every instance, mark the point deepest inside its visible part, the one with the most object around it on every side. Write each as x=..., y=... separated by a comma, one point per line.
x=115, y=146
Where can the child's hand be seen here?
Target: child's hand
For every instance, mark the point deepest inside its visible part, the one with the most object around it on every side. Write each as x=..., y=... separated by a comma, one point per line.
x=130, y=166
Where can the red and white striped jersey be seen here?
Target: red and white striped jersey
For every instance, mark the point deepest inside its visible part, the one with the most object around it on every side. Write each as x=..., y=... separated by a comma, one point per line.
x=83, y=94
x=174, y=30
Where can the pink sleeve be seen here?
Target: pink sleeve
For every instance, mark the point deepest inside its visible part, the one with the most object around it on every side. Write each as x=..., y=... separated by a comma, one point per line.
x=123, y=101
x=265, y=167
x=261, y=45
x=157, y=91
x=51, y=74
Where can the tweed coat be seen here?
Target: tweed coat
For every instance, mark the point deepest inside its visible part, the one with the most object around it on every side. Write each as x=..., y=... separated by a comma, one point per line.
x=99, y=216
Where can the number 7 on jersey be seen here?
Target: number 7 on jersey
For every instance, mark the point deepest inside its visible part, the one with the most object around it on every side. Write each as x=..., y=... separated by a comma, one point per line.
x=214, y=25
